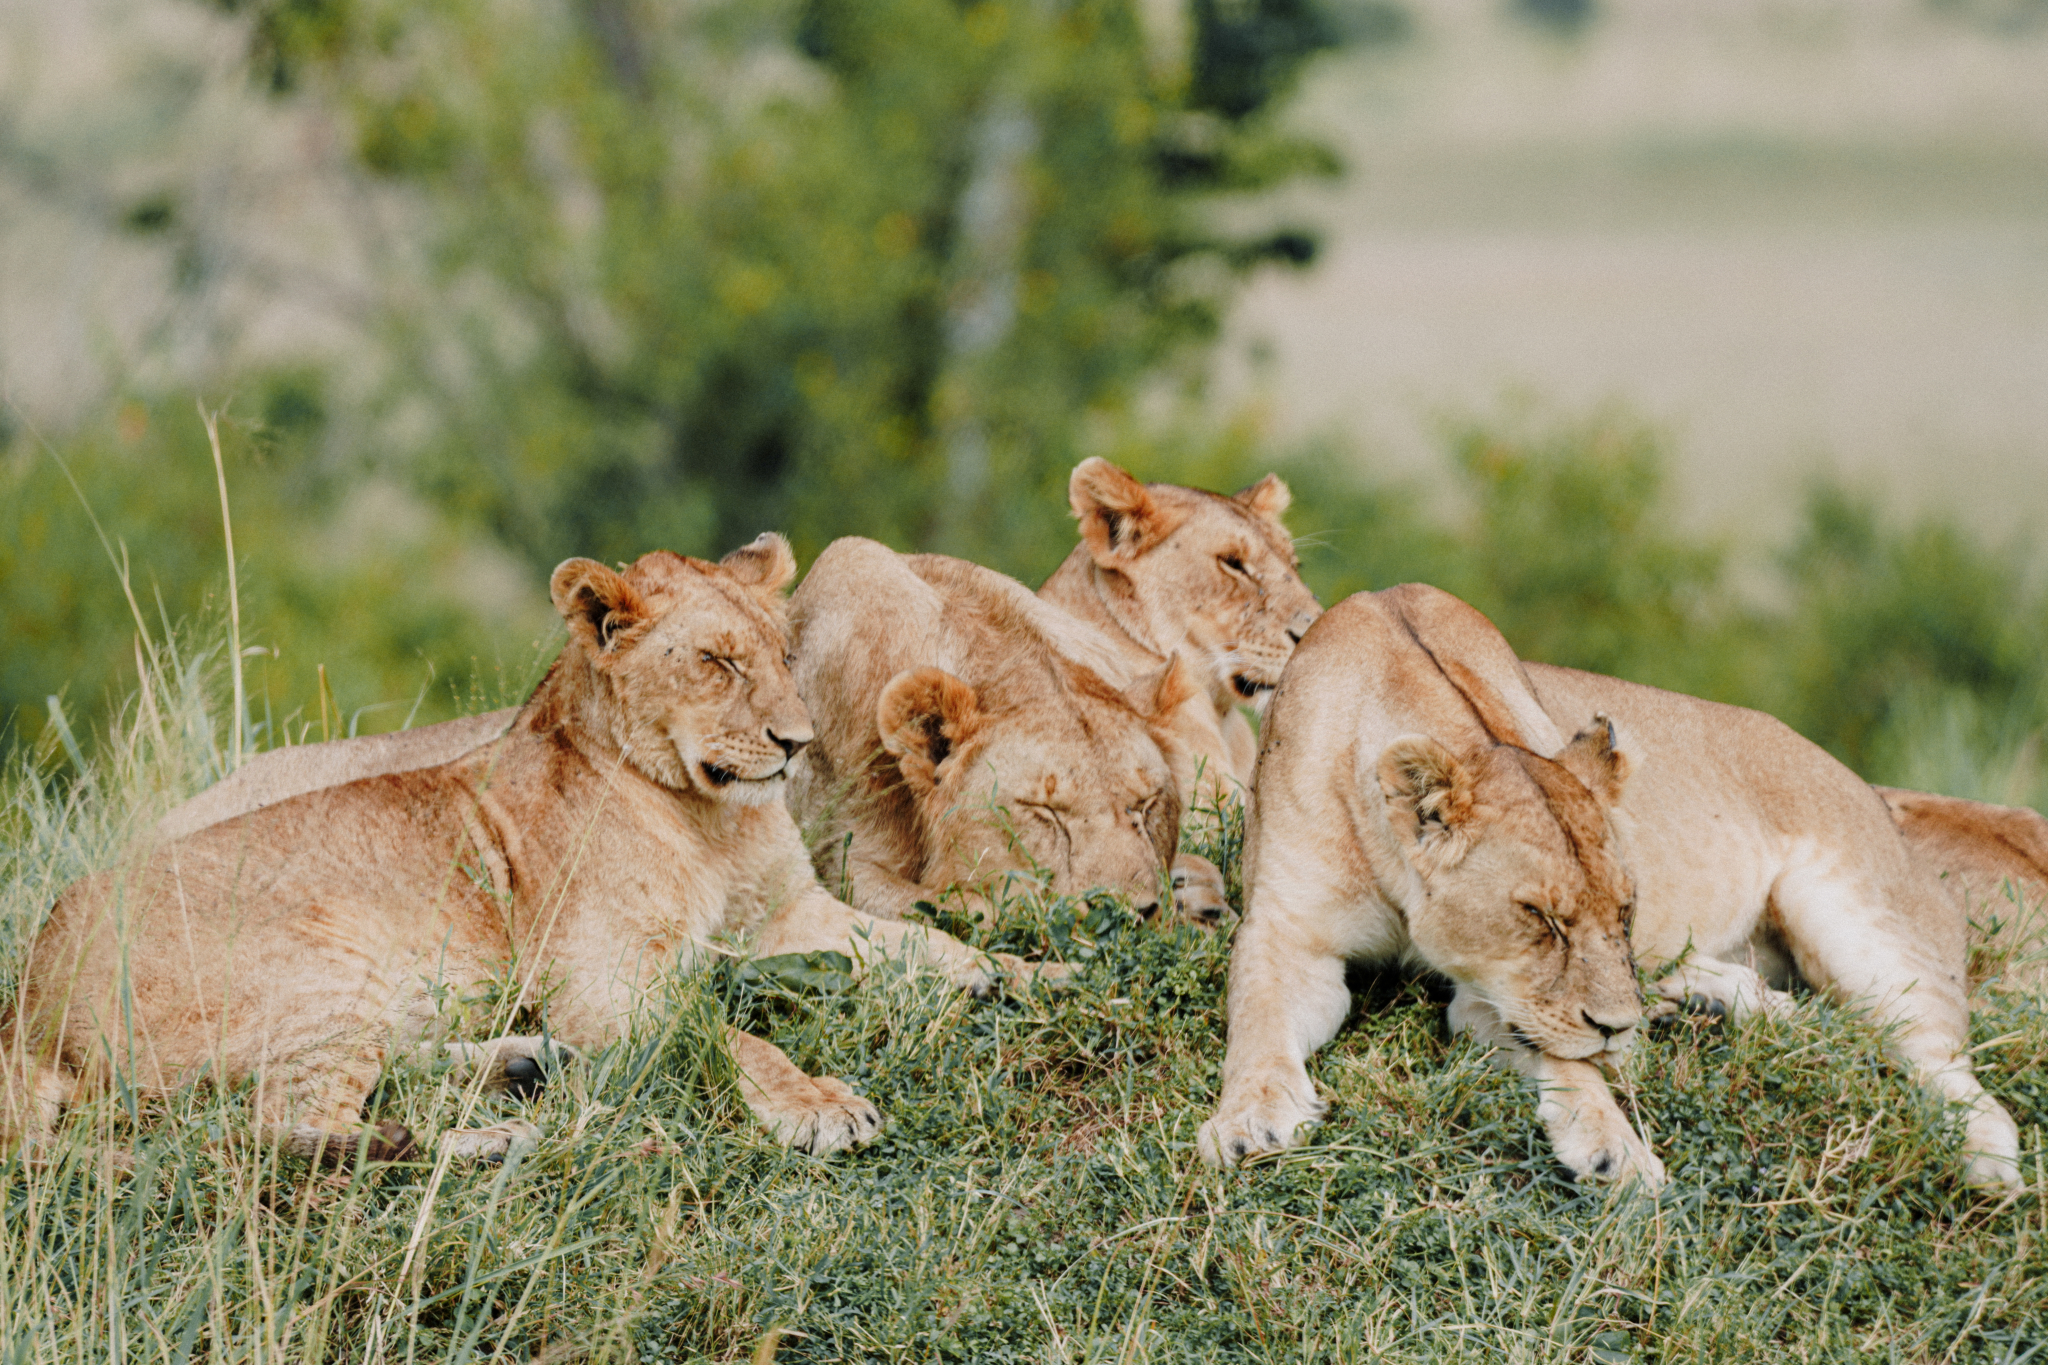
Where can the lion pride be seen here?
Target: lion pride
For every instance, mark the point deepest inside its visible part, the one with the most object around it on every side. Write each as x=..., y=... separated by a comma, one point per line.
x=1404, y=809
x=632, y=813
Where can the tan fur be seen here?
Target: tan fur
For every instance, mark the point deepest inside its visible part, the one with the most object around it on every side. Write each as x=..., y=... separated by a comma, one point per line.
x=630, y=817
x=280, y=774
x=1741, y=841
x=1995, y=860
x=1164, y=570
x=962, y=744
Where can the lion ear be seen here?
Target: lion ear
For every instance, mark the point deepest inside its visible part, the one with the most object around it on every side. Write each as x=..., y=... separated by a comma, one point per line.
x=926, y=716
x=1599, y=759
x=1268, y=498
x=765, y=564
x=1156, y=696
x=597, y=602
x=1120, y=519
x=1428, y=792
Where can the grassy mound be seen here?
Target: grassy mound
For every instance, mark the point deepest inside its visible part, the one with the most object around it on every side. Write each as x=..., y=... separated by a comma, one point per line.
x=1035, y=1195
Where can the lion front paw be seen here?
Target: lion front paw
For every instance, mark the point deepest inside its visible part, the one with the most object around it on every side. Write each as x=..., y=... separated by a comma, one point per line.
x=1271, y=1122
x=826, y=1116
x=1606, y=1150
x=523, y=1066
x=1198, y=893
x=1722, y=989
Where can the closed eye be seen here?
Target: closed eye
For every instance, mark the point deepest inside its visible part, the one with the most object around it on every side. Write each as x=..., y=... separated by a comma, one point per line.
x=721, y=661
x=1550, y=921
x=1234, y=564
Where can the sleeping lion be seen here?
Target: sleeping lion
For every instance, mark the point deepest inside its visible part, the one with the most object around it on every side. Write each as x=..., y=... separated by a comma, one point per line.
x=1416, y=799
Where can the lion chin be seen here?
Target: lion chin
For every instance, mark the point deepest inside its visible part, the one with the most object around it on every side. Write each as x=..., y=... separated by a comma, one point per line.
x=728, y=784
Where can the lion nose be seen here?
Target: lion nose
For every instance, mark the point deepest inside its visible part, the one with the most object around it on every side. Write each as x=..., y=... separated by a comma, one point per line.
x=791, y=739
x=1607, y=1030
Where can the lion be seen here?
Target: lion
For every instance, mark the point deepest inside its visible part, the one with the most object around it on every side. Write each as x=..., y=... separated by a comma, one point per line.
x=962, y=744
x=1403, y=810
x=1164, y=570
x=632, y=815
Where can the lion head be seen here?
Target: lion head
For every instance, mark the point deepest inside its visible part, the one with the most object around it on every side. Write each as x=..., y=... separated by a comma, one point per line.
x=1198, y=573
x=687, y=667
x=1521, y=895
x=1045, y=767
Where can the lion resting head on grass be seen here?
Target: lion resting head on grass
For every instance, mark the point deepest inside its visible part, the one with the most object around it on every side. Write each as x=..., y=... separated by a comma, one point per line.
x=632, y=813
x=961, y=743
x=1736, y=854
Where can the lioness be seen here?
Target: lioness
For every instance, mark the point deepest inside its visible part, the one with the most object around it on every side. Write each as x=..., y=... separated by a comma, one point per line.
x=1164, y=570
x=633, y=812
x=961, y=742
x=1400, y=812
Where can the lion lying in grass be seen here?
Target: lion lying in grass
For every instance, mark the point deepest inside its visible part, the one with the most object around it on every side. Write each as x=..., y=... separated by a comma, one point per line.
x=632, y=814
x=961, y=744
x=1403, y=810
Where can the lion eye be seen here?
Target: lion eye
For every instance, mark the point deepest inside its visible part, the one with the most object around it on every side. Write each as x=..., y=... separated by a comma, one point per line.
x=1233, y=563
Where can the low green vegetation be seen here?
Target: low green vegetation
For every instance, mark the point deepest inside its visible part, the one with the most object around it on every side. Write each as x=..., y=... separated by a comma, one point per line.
x=1035, y=1195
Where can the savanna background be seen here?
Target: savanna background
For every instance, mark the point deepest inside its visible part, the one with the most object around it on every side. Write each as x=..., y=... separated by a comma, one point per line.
x=1705, y=344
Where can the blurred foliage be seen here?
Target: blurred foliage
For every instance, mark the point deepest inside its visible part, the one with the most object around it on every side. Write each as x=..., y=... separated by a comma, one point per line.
x=835, y=266
x=674, y=275
x=403, y=607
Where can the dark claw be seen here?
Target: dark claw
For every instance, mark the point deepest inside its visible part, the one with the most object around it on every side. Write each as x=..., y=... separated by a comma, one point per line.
x=1238, y=1147
x=1699, y=1004
x=525, y=1077
x=1603, y=1165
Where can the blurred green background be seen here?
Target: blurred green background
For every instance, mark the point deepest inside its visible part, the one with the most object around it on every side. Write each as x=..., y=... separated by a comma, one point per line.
x=596, y=276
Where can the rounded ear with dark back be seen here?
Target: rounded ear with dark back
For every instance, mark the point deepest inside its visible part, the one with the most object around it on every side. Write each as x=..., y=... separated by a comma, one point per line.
x=1120, y=519
x=597, y=602
x=926, y=717
x=765, y=564
x=1597, y=757
x=1268, y=498
x=1429, y=792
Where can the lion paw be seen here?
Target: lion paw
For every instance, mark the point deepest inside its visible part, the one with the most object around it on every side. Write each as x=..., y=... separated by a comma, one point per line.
x=1724, y=989
x=1606, y=1150
x=1198, y=894
x=522, y=1066
x=830, y=1118
x=494, y=1143
x=1242, y=1131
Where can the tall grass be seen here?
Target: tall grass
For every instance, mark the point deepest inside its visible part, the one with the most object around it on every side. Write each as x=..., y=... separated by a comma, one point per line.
x=1035, y=1196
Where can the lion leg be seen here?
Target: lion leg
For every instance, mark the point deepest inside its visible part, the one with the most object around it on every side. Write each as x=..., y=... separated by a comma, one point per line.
x=1587, y=1129
x=1723, y=988
x=1913, y=982
x=316, y=1111
x=816, y=922
x=815, y=1114
x=32, y=1099
x=1286, y=1000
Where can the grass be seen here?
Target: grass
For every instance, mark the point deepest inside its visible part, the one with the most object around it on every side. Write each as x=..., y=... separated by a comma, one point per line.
x=1035, y=1195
